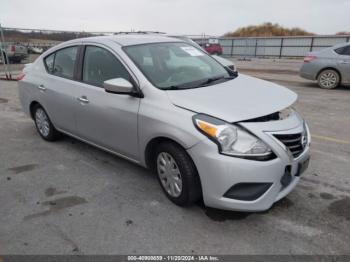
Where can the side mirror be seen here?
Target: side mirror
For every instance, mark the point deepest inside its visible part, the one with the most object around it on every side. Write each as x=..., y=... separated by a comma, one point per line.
x=118, y=86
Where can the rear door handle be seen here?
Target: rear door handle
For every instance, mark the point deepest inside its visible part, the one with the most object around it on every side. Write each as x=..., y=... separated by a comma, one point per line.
x=83, y=99
x=345, y=62
x=41, y=87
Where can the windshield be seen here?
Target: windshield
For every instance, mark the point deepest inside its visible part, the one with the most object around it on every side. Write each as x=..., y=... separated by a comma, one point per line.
x=176, y=65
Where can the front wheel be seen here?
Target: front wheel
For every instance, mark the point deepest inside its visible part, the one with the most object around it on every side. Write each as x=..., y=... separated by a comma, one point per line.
x=177, y=174
x=43, y=124
x=328, y=79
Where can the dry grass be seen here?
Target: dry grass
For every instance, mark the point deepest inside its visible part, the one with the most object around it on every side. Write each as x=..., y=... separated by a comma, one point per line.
x=267, y=30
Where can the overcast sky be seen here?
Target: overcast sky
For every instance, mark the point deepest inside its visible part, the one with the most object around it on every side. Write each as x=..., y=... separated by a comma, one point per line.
x=214, y=17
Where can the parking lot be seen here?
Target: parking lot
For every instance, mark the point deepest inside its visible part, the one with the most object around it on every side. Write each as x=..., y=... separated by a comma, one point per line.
x=70, y=198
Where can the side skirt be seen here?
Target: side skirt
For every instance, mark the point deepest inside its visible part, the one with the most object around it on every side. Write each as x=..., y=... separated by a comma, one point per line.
x=102, y=148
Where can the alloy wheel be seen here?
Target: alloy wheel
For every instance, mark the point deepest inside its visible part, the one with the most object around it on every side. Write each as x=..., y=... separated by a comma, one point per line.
x=328, y=79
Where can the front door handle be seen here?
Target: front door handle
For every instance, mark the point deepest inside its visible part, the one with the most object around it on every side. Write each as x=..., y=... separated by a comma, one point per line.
x=41, y=87
x=83, y=99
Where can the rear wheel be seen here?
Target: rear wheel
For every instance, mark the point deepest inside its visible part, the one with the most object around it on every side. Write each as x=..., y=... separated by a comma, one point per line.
x=43, y=124
x=328, y=79
x=177, y=174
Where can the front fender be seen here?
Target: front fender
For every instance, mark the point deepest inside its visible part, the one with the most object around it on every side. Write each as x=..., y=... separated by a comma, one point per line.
x=168, y=122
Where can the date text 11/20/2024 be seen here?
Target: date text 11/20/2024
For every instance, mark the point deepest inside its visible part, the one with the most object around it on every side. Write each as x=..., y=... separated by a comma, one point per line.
x=173, y=258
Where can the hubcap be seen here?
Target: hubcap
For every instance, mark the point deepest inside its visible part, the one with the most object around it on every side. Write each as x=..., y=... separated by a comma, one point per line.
x=42, y=122
x=328, y=79
x=169, y=174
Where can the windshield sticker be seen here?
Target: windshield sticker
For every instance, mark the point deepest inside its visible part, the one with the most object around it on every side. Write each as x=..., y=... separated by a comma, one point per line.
x=192, y=51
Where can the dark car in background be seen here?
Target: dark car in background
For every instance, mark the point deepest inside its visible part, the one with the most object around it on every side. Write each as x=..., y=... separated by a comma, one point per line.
x=211, y=45
x=225, y=62
x=13, y=53
x=213, y=48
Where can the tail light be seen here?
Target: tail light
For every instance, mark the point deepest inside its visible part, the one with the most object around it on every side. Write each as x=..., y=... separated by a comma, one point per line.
x=13, y=48
x=20, y=76
x=309, y=58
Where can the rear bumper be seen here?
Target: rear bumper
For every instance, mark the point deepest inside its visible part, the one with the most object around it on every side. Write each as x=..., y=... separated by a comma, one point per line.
x=308, y=71
x=211, y=51
x=19, y=56
x=307, y=75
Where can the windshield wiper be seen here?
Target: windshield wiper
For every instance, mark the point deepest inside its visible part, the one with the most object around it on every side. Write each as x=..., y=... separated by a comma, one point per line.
x=202, y=84
x=214, y=79
x=179, y=87
x=173, y=88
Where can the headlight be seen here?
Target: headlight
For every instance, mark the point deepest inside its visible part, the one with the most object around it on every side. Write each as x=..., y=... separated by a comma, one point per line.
x=232, y=140
x=285, y=113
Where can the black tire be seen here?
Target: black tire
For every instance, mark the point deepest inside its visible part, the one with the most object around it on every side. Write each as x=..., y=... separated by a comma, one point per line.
x=328, y=79
x=16, y=60
x=52, y=134
x=191, y=186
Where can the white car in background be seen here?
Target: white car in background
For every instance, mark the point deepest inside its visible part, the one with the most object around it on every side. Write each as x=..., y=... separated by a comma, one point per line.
x=35, y=50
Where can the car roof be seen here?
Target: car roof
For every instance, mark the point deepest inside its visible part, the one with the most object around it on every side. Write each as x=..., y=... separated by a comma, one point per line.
x=335, y=47
x=330, y=50
x=341, y=45
x=129, y=39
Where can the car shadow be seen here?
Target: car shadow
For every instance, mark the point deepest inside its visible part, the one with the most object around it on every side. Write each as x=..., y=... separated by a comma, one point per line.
x=103, y=157
x=316, y=86
x=219, y=215
x=213, y=214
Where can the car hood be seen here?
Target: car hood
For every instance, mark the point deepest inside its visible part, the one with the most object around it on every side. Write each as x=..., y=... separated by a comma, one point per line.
x=236, y=100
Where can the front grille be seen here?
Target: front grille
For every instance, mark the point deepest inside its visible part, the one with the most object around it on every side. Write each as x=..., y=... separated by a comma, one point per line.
x=294, y=142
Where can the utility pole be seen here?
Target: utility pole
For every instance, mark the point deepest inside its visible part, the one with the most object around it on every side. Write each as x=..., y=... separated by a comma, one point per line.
x=4, y=57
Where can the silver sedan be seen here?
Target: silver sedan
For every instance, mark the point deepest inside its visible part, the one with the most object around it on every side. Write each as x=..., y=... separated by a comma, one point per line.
x=206, y=131
x=330, y=67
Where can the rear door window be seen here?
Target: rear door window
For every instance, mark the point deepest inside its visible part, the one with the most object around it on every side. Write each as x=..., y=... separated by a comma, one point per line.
x=49, y=60
x=345, y=50
x=64, y=62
